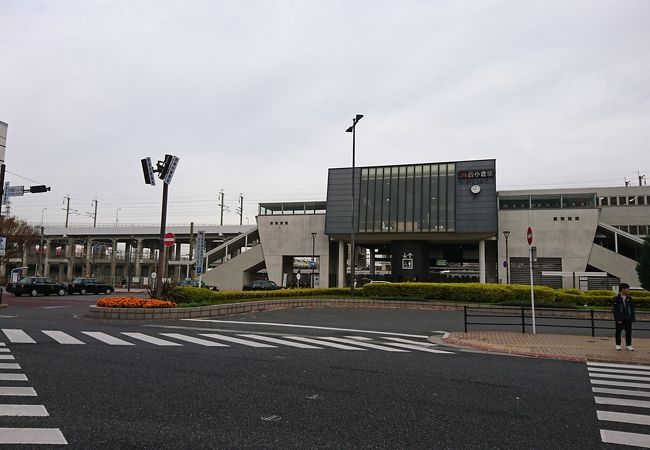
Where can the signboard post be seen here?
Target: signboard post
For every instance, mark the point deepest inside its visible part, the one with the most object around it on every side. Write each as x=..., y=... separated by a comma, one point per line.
x=531, y=250
x=200, y=253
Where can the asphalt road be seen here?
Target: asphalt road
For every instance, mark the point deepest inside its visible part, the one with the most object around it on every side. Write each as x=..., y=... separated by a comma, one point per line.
x=196, y=396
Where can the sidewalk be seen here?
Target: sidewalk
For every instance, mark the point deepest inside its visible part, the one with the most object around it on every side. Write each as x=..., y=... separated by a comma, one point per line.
x=553, y=346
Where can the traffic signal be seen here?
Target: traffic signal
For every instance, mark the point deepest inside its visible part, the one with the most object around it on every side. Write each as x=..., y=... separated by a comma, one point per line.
x=39, y=188
x=167, y=168
x=147, y=170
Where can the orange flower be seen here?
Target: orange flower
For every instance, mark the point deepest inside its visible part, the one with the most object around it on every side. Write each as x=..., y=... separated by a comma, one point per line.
x=134, y=302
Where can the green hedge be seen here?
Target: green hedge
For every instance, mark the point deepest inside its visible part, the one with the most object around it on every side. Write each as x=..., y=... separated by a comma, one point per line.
x=451, y=292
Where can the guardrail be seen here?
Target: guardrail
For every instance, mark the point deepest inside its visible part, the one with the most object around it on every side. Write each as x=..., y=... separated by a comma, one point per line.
x=522, y=316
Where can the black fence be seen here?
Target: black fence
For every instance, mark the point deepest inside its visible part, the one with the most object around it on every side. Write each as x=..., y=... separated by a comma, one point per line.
x=522, y=316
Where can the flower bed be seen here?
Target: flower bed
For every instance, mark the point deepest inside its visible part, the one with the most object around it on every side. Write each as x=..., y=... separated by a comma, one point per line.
x=134, y=302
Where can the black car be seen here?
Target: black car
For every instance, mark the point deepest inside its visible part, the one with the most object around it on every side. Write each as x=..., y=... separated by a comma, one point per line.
x=89, y=286
x=261, y=285
x=195, y=283
x=36, y=285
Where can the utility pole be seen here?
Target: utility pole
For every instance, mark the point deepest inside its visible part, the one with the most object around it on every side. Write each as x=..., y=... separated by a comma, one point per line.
x=3, y=147
x=241, y=209
x=94, y=215
x=641, y=179
x=67, y=209
x=221, y=205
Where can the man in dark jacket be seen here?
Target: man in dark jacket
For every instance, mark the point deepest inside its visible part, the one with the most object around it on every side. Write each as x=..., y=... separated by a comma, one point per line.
x=623, y=310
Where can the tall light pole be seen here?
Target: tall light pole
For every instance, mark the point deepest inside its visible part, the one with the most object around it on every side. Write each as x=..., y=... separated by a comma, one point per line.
x=313, y=254
x=117, y=216
x=352, y=130
x=506, y=234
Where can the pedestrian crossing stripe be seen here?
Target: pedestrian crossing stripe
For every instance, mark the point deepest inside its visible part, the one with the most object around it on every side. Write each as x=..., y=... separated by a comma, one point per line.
x=610, y=388
x=354, y=343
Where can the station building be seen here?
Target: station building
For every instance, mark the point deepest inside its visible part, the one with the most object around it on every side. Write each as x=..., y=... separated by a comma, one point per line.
x=442, y=221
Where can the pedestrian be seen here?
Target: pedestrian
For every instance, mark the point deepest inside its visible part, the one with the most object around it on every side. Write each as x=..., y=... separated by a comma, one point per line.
x=623, y=309
x=123, y=282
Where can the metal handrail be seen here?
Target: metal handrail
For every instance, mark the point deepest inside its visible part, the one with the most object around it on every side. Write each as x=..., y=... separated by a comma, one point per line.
x=524, y=313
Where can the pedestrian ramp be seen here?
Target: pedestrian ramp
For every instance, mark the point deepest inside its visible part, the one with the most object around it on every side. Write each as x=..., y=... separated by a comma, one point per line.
x=19, y=405
x=389, y=344
x=622, y=396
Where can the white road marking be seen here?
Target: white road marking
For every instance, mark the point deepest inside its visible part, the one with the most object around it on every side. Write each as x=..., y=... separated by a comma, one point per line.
x=4, y=350
x=2, y=344
x=628, y=372
x=620, y=437
x=624, y=366
x=621, y=392
x=363, y=344
x=618, y=377
x=18, y=391
x=9, y=366
x=324, y=343
x=419, y=348
x=278, y=341
x=622, y=402
x=12, y=377
x=611, y=416
x=237, y=340
x=23, y=410
x=63, y=338
x=307, y=326
x=194, y=340
x=152, y=339
x=359, y=338
x=106, y=338
x=5, y=357
x=619, y=383
x=31, y=436
x=18, y=336
x=406, y=341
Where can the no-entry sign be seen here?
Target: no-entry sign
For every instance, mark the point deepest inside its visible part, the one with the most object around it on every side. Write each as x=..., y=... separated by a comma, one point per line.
x=529, y=236
x=169, y=239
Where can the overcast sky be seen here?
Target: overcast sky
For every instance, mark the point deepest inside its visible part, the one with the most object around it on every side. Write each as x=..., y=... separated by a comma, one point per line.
x=255, y=96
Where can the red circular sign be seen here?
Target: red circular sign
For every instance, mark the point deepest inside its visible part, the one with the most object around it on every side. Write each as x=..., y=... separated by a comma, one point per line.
x=169, y=239
x=529, y=236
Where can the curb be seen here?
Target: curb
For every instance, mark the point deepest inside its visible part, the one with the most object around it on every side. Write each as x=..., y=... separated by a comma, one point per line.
x=492, y=349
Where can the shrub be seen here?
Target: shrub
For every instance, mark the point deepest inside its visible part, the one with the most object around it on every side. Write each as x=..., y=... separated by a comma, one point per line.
x=134, y=302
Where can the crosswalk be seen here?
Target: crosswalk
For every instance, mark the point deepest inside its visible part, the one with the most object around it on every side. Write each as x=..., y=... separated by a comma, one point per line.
x=622, y=396
x=128, y=338
x=13, y=389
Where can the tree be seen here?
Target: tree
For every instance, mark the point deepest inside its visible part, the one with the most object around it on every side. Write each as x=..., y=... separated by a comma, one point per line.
x=643, y=268
x=19, y=234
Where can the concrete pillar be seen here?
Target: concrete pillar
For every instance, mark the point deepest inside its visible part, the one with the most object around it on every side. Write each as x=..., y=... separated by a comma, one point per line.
x=113, y=261
x=138, y=260
x=341, y=266
x=24, y=263
x=70, y=254
x=46, y=258
x=481, y=261
x=372, y=261
x=89, y=251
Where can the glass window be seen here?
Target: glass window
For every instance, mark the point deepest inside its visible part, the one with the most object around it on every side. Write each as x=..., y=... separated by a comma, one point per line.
x=401, y=201
x=378, y=204
x=385, y=215
x=643, y=230
x=634, y=229
x=578, y=201
x=434, y=198
x=545, y=201
x=451, y=197
x=371, y=199
x=410, y=197
x=394, y=183
x=641, y=200
x=425, y=202
x=363, y=200
x=622, y=201
x=442, y=203
x=522, y=202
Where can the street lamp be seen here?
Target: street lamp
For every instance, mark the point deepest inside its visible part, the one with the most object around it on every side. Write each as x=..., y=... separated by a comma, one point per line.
x=313, y=253
x=352, y=130
x=117, y=215
x=507, y=264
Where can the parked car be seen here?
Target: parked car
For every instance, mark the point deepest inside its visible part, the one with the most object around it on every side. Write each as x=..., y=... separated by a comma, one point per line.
x=261, y=285
x=195, y=283
x=89, y=286
x=35, y=286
